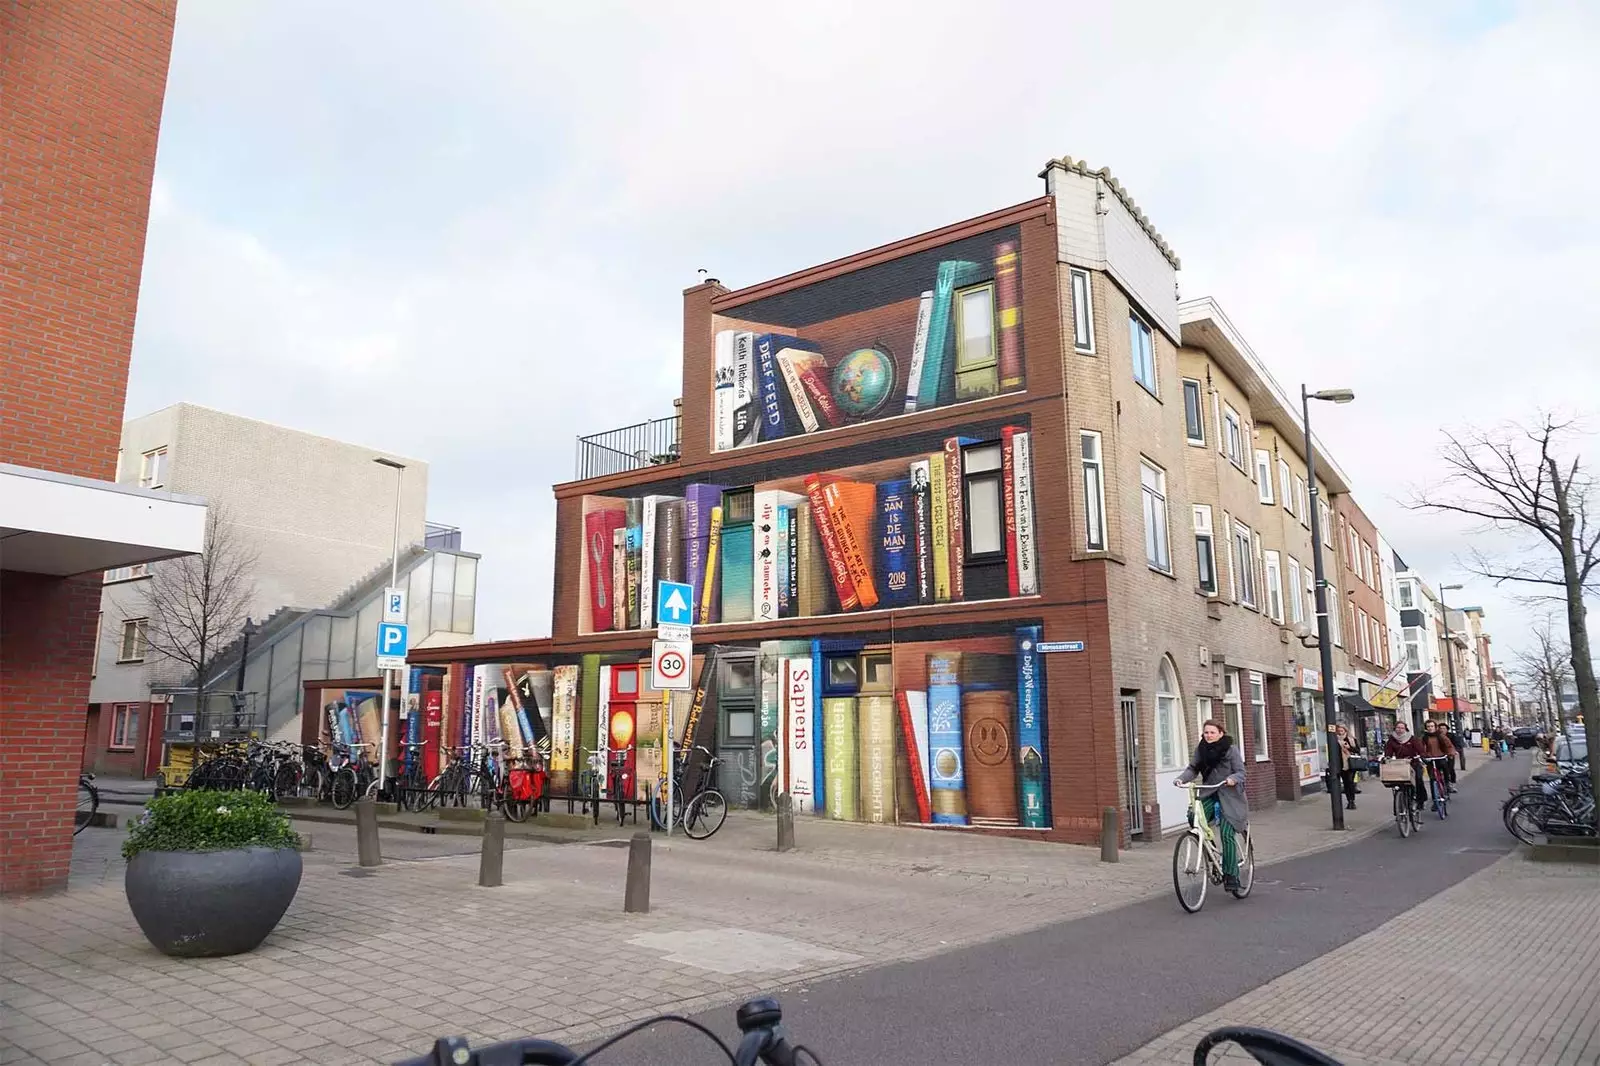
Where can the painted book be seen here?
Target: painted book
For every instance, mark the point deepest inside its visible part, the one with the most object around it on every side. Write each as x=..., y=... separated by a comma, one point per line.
x=876, y=725
x=510, y=732
x=700, y=723
x=814, y=376
x=698, y=500
x=738, y=571
x=1033, y=788
x=648, y=557
x=832, y=552
x=792, y=558
x=921, y=532
x=432, y=731
x=710, y=609
x=769, y=725
x=767, y=577
x=785, y=561
x=937, y=385
x=811, y=565
x=939, y=509
x=850, y=510
x=746, y=414
x=947, y=780
x=818, y=754
x=619, y=579
x=799, y=711
x=598, y=528
x=840, y=750
x=669, y=540
x=913, y=710
x=1008, y=481
x=919, y=350
x=791, y=360
x=534, y=688
x=976, y=358
x=896, y=561
x=1026, y=546
x=722, y=392
x=589, y=701
x=988, y=721
x=778, y=414
x=955, y=502
x=563, y=727
x=635, y=529
x=602, y=719
x=1008, y=312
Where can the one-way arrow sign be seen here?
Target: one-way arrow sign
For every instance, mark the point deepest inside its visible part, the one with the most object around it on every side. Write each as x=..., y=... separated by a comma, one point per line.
x=672, y=603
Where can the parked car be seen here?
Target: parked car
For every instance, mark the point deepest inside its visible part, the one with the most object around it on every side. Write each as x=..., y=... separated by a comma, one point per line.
x=1524, y=736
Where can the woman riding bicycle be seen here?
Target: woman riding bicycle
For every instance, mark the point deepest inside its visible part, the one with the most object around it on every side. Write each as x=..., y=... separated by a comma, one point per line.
x=1402, y=745
x=1218, y=761
x=1436, y=745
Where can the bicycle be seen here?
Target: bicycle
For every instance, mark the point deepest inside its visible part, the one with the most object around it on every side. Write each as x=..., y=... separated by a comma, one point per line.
x=1437, y=790
x=1198, y=856
x=352, y=778
x=1407, y=815
x=701, y=814
x=88, y=803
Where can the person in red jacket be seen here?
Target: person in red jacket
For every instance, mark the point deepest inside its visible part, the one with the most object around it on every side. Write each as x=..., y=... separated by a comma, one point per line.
x=1402, y=745
x=1436, y=744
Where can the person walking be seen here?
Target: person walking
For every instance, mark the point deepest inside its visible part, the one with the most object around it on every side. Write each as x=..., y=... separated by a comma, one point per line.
x=1347, y=777
x=1218, y=761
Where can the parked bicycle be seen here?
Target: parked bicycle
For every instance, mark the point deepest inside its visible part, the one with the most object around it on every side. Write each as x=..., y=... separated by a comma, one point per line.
x=352, y=776
x=1197, y=857
x=88, y=803
x=1552, y=805
x=701, y=814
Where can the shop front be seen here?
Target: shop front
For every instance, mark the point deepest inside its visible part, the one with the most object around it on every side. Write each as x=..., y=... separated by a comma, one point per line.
x=1310, y=729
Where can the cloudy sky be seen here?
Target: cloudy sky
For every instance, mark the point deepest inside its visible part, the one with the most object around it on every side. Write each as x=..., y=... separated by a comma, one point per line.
x=460, y=230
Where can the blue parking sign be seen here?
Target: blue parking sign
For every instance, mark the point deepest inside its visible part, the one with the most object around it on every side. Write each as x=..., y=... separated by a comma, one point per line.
x=391, y=640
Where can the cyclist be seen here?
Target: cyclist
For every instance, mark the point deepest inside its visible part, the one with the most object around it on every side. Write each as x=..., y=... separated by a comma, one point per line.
x=1217, y=761
x=1436, y=745
x=1402, y=745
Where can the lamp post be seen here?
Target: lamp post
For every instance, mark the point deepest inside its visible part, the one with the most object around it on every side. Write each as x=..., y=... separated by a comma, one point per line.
x=1450, y=660
x=394, y=577
x=1324, y=638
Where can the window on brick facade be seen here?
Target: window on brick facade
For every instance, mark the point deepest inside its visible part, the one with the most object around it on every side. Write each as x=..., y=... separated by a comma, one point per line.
x=1172, y=751
x=1232, y=716
x=1263, y=476
x=1205, y=549
x=1304, y=496
x=1243, y=565
x=1285, y=486
x=1273, y=570
x=1142, y=344
x=1202, y=711
x=1194, y=419
x=153, y=469
x=1294, y=584
x=1232, y=437
x=124, y=726
x=1157, y=546
x=1258, y=712
x=1366, y=565
x=133, y=641
x=985, y=501
x=1354, y=560
x=1335, y=614
x=1363, y=634
x=1082, y=313
x=1094, y=491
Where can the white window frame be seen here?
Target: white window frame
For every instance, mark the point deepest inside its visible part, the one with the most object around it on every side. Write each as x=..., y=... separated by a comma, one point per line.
x=1202, y=710
x=1199, y=411
x=1293, y=584
x=1172, y=751
x=1366, y=565
x=120, y=715
x=1150, y=497
x=1272, y=569
x=1264, y=476
x=126, y=573
x=1330, y=541
x=1082, y=313
x=1258, y=715
x=1286, y=485
x=1094, y=490
x=153, y=468
x=1205, y=547
x=1241, y=547
x=1405, y=595
x=1411, y=637
x=1233, y=436
x=1354, y=539
x=133, y=629
x=1377, y=642
x=1304, y=494
x=1308, y=575
x=1232, y=712
x=1363, y=637
x=1335, y=615
x=1142, y=343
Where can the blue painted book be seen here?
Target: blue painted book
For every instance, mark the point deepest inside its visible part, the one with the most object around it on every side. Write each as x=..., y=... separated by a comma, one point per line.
x=698, y=499
x=896, y=555
x=937, y=386
x=738, y=572
x=818, y=762
x=781, y=546
x=1031, y=780
x=948, y=787
x=778, y=418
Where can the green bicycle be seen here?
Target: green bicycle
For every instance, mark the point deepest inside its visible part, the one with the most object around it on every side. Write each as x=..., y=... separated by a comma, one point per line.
x=1197, y=858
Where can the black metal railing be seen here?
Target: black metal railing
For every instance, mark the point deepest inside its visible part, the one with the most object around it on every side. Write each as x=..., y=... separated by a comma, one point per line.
x=629, y=448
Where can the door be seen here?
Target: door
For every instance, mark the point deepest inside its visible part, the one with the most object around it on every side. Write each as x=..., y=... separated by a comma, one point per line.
x=1133, y=806
x=621, y=730
x=739, y=776
x=1172, y=753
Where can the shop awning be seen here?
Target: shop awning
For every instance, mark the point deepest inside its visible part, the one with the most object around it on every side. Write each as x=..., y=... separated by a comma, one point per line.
x=1355, y=704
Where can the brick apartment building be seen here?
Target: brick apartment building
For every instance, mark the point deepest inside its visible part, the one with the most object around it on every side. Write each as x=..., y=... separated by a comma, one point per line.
x=76, y=167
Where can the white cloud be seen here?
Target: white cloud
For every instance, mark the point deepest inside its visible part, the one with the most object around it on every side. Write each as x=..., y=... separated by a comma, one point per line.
x=479, y=220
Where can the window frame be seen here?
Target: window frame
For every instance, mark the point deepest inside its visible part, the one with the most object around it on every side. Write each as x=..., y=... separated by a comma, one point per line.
x=1363, y=637
x=1094, y=503
x=1258, y=716
x=1293, y=583
x=153, y=468
x=958, y=307
x=1272, y=574
x=135, y=627
x=1232, y=705
x=996, y=477
x=1405, y=596
x=1241, y=546
x=1139, y=329
x=1169, y=704
x=1303, y=492
x=1205, y=547
x=1286, y=484
x=123, y=716
x=1159, y=493
x=1233, y=436
x=1082, y=326
x=1264, y=477
x=119, y=574
x=1198, y=392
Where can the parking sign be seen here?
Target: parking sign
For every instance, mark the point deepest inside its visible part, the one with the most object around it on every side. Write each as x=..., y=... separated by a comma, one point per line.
x=392, y=646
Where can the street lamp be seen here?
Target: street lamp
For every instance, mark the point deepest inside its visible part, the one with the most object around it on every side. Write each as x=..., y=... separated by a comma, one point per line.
x=1450, y=660
x=394, y=578
x=1324, y=639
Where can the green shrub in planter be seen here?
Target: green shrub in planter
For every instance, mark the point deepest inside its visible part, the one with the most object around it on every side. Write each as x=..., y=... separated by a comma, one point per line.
x=205, y=820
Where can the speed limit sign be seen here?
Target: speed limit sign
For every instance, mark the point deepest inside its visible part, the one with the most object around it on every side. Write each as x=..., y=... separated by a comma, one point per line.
x=669, y=663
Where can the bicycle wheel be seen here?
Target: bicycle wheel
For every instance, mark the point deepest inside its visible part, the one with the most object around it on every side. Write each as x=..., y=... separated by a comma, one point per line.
x=516, y=810
x=704, y=815
x=287, y=781
x=1443, y=806
x=658, y=808
x=88, y=803
x=1402, y=811
x=344, y=789
x=1247, y=869
x=1189, y=874
x=1527, y=820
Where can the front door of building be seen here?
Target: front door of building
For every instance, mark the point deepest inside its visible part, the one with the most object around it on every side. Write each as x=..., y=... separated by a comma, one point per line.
x=739, y=776
x=1133, y=802
x=621, y=728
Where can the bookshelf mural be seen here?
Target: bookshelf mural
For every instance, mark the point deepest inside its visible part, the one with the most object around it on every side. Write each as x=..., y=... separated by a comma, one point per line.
x=949, y=526
x=923, y=331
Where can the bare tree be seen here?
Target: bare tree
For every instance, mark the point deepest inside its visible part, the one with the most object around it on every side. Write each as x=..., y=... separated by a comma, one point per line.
x=1531, y=482
x=196, y=605
x=1546, y=668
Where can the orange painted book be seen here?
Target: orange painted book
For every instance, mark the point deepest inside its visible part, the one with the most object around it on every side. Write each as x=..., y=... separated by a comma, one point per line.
x=828, y=533
x=850, y=512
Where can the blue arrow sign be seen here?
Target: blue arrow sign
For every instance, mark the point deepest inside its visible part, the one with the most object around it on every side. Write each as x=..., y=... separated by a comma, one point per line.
x=673, y=599
x=391, y=639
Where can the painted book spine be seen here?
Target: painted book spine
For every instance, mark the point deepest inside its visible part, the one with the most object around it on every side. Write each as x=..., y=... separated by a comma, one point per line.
x=1008, y=478
x=774, y=421
x=619, y=579
x=563, y=726
x=896, y=552
x=851, y=551
x=843, y=772
x=1035, y=795
x=877, y=727
x=1008, y=308
x=940, y=524
x=746, y=415
x=933, y=366
x=919, y=351
x=819, y=785
x=814, y=376
x=789, y=364
x=792, y=576
x=635, y=517
x=647, y=563
x=831, y=550
x=947, y=785
x=669, y=541
x=785, y=605
x=914, y=735
x=722, y=392
x=988, y=718
x=696, y=518
x=765, y=557
x=954, y=500
x=922, y=531
x=1027, y=546
x=710, y=592
x=800, y=710
x=738, y=574
x=433, y=733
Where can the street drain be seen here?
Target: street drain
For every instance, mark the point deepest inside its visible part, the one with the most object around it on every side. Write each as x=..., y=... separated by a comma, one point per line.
x=1305, y=888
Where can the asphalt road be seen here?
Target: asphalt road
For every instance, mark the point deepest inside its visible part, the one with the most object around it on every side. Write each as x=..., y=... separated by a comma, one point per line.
x=1093, y=989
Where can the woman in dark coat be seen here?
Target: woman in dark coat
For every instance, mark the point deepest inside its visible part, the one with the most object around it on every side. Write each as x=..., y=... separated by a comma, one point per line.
x=1218, y=761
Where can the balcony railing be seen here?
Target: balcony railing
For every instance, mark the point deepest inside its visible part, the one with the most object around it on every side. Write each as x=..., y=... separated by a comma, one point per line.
x=629, y=448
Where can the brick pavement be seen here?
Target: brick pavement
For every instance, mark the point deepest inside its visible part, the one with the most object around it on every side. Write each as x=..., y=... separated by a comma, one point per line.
x=1502, y=968
x=370, y=965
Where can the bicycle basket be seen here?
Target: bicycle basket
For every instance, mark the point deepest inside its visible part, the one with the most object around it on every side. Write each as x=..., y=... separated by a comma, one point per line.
x=1395, y=772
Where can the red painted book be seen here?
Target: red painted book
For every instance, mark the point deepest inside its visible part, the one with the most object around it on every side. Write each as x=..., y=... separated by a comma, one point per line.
x=1008, y=309
x=821, y=518
x=1008, y=468
x=850, y=511
x=598, y=527
x=814, y=377
x=908, y=734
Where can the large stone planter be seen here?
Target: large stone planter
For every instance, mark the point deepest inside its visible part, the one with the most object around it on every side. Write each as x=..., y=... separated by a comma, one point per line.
x=195, y=904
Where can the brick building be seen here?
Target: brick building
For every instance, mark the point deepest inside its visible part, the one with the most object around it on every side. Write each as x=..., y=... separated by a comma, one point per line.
x=76, y=166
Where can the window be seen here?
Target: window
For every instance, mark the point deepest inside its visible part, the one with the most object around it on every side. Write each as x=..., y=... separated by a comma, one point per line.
x=1094, y=491
x=1274, y=575
x=980, y=466
x=133, y=642
x=1305, y=501
x=153, y=469
x=1264, y=476
x=1232, y=437
x=1082, y=313
x=1194, y=422
x=99, y=623
x=1363, y=635
x=1243, y=565
x=1285, y=486
x=1205, y=549
x=1232, y=719
x=1157, y=549
x=1144, y=353
x=1309, y=576
x=1377, y=643
x=1297, y=603
x=1171, y=750
x=974, y=327
x=1324, y=517
x=1258, y=712
x=1355, y=551
x=127, y=573
x=1335, y=615
x=1412, y=637
x=124, y=726
x=1202, y=710
x=1407, y=598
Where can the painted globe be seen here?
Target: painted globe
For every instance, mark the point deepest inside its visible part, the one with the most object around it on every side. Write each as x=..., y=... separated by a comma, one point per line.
x=862, y=382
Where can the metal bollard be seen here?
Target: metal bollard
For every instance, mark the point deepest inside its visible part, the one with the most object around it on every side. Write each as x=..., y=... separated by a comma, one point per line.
x=367, y=850
x=492, y=858
x=785, y=822
x=636, y=893
x=1108, y=834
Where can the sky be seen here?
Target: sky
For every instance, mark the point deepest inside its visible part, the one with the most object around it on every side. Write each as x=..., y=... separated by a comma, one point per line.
x=460, y=231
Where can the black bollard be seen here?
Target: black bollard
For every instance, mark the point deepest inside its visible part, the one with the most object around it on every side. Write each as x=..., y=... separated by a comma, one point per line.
x=1108, y=835
x=785, y=822
x=492, y=858
x=636, y=892
x=367, y=851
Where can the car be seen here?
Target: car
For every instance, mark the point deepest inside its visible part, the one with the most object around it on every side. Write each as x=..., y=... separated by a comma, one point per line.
x=1524, y=736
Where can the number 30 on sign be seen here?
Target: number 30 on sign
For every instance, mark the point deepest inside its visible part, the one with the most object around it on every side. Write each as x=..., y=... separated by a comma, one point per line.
x=670, y=662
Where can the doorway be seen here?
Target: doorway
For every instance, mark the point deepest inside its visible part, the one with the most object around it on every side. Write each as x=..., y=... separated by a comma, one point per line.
x=1133, y=804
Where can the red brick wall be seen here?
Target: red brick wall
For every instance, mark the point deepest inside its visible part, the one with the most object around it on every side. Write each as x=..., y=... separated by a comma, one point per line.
x=83, y=84
x=45, y=659
x=1281, y=742
x=1259, y=783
